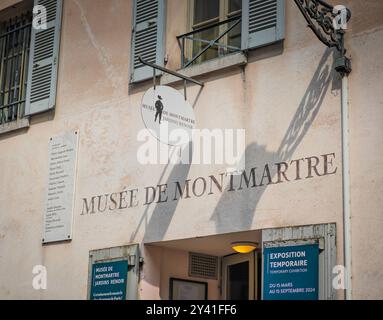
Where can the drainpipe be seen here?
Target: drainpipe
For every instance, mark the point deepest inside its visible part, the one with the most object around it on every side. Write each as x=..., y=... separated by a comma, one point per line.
x=318, y=13
x=343, y=66
x=346, y=186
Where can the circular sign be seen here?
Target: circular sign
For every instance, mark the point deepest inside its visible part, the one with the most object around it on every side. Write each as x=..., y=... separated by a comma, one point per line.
x=167, y=115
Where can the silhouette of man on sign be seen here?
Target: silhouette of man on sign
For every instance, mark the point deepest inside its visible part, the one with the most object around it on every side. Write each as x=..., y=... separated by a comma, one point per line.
x=159, y=107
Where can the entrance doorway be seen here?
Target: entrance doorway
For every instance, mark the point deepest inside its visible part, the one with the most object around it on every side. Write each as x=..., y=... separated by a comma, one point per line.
x=210, y=260
x=240, y=277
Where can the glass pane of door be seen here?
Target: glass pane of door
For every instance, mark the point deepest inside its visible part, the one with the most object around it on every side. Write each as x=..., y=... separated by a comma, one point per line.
x=238, y=281
x=239, y=277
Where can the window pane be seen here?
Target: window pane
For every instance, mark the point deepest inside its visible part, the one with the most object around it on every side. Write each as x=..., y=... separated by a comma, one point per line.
x=206, y=35
x=235, y=5
x=234, y=36
x=205, y=10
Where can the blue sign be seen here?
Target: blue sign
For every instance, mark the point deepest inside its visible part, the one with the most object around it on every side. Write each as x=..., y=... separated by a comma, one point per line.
x=109, y=280
x=291, y=273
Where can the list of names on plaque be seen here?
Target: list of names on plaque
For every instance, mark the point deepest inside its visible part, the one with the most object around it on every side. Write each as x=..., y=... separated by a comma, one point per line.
x=60, y=189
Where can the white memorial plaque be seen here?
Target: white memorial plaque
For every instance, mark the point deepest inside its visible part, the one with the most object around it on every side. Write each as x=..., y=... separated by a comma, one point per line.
x=58, y=218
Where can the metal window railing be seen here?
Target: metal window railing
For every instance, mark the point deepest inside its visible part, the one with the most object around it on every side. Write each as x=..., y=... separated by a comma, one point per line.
x=15, y=38
x=214, y=39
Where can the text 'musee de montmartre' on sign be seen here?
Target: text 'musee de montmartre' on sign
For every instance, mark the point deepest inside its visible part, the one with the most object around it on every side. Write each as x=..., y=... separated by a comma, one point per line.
x=256, y=177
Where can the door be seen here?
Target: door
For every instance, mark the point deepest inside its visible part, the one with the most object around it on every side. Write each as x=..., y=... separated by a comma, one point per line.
x=239, y=276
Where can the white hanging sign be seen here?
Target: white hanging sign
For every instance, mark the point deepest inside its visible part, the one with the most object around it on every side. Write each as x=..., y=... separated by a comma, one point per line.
x=167, y=115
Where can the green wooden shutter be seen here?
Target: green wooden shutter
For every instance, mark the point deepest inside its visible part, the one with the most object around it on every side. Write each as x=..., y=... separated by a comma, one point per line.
x=43, y=60
x=147, y=37
x=263, y=22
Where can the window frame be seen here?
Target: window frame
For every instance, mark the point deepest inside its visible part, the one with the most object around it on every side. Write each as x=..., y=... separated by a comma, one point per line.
x=224, y=14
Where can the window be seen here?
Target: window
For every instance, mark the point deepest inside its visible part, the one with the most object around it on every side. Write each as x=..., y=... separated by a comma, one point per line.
x=216, y=28
x=221, y=27
x=15, y=38
x=213, y=18
x=28, y=61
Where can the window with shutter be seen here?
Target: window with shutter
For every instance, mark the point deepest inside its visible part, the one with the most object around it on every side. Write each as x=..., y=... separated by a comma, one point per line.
x=147, y=37
x=15, y=41
x=263, y=22
x=42, y=76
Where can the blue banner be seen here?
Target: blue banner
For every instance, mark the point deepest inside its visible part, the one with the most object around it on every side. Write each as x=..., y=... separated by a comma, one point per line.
x=109, y=280
x=291, y=273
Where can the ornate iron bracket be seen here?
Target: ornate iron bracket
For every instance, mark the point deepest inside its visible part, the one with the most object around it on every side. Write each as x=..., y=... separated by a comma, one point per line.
x=320, y=19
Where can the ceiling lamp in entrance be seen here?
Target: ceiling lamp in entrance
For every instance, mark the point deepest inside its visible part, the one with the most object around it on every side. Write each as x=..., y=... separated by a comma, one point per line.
x=244, y=246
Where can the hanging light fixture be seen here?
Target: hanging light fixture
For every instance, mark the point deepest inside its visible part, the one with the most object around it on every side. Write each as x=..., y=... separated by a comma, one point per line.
x=244, y=246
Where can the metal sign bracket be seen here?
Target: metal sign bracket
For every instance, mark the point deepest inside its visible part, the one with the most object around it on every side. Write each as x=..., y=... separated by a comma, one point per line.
x=174, y=73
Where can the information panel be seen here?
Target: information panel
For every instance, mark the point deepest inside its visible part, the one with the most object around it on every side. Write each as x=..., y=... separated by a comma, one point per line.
x=109, y=280
x=291, y=273
x=60, y=190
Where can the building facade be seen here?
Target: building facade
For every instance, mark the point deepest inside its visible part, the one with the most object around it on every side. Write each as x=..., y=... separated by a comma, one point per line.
x=79, y=82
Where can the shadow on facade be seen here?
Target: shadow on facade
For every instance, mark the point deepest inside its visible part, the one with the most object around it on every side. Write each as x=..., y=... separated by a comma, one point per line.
x=162, y=214
x=235, y=211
